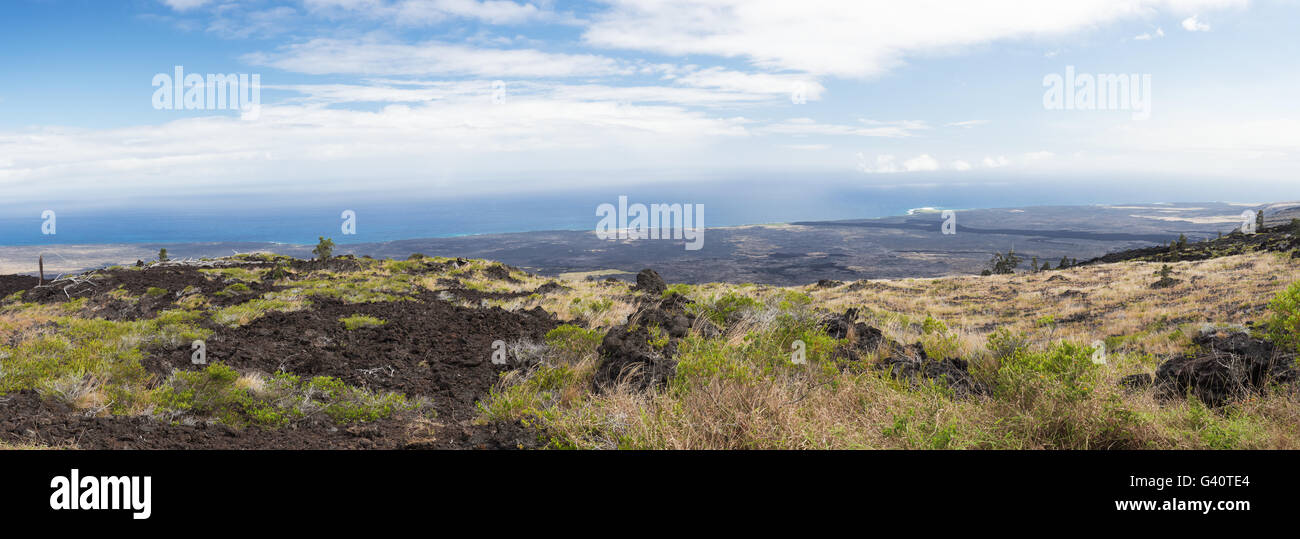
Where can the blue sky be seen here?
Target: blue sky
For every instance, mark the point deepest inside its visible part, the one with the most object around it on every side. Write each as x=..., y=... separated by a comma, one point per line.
x=396, y=97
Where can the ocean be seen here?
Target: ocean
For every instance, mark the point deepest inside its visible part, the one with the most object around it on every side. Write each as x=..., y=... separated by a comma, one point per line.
x=386, y=217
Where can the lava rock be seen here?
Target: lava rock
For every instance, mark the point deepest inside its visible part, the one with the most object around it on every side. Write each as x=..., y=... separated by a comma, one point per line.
x=641, y=352
x=650, y=282
x=915, y=367
x=1229, y=366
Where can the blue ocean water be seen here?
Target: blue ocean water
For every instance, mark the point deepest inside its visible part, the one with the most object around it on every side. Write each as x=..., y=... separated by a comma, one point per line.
x=394, y=216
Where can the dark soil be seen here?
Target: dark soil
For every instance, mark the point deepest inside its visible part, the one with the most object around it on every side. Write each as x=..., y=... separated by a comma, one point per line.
x=551, y=288
x=337, y=263
x=458, y=290
x=500, y=273
x=427, y=347
x=14, y=283
x=26, y=418
x=173, y=279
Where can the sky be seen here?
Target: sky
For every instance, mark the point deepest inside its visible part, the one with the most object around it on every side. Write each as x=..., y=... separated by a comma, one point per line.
x=410, y=99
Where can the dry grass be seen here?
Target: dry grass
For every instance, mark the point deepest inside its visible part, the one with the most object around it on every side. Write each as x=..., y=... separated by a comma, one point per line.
x=745, y=404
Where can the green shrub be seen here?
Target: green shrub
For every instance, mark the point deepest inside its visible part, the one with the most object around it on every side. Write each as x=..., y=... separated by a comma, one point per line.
x=155, y=292
x=678, y=288
x=725, y=309
x=1065, y=372
x=937, y=340
x=573, y=341
x=1283, y=327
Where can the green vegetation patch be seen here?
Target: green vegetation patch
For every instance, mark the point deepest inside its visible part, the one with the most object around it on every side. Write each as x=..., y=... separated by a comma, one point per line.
x=1283, y=326
x=95, y=355
x=246, y=275
x=358, y=321
x=219, y=391
x=248, y=311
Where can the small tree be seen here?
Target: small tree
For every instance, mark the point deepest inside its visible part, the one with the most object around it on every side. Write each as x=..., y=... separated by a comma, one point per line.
x=162, y=255
x=1295, y=226
x=1004, y=264
x=325, y=249
x=1065, y=263
x=1034, y=264
x=1182, y=241
x=1259, y=220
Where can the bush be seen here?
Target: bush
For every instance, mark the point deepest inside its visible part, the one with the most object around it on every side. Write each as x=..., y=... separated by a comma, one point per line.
x=1064, y=372
x=573, y=341
x=1283, y=327
x=725, y=309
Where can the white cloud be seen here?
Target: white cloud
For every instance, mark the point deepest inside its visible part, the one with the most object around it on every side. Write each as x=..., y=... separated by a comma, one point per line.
x=753, y=83
x=184, y=5
x=996, y=162
x=960, y=165
x=371, y=57
x=382, y=90
x=1192, y=25
x=1039, y=155
x=888, y=164
x=868, y=128
x=850, y=39
x=921, y=163
x=427, y=12
x=1147, y=36
x=292, y=145
x=966, y=124
x=238, y=24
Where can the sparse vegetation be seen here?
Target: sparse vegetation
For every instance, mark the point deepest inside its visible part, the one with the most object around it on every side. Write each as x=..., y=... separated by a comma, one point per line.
x=1029, y=338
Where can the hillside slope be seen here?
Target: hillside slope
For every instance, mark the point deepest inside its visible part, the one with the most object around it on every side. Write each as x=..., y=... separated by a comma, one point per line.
x=455, y=353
